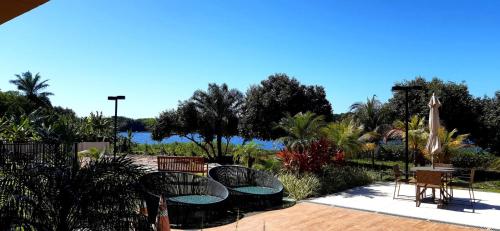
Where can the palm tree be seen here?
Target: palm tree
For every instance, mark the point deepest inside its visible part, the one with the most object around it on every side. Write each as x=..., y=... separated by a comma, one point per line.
x=219, y=111
x=344, y=135
x=450, y=142
x=417, y=135
x=370, y=114
x=301, y=129
x=33, y=87
x=102, y=195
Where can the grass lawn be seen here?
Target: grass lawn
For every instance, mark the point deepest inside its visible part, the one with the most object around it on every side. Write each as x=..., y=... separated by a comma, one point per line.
x=387, y=175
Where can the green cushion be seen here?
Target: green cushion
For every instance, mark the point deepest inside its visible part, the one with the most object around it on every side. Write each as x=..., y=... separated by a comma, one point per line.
x=195, y=199
x=256, y=190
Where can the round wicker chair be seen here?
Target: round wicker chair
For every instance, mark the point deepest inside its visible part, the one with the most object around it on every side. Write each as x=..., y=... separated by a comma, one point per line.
x=249, y=188
x=191, y=199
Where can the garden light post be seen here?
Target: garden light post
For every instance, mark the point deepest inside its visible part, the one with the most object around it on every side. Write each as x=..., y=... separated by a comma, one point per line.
x=406, y=89
x=115, y=98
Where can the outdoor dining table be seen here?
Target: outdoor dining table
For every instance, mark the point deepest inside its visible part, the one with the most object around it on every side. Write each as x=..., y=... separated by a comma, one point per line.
x=445, y=171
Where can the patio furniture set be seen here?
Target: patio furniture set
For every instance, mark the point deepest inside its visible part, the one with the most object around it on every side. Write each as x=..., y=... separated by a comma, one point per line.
x=438, y=177
x=192, y=197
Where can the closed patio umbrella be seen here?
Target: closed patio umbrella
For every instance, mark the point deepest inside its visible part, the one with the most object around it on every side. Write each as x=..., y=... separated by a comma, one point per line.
x=433, y=144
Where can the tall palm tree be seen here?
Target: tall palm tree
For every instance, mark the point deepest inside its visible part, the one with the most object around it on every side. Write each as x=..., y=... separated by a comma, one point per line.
x=344, y=135
x=218, y=110
x=417, y=135
x=33, y=87
x=301, y=129
x=370, y=114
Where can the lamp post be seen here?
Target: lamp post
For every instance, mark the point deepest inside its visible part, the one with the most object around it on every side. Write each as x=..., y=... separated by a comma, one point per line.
x=115, y=98
x=406, y=89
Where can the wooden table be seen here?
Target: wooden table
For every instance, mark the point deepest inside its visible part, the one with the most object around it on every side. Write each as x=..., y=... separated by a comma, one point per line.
x=446, y=171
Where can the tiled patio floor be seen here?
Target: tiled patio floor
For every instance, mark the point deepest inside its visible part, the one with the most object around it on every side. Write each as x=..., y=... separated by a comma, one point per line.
x=311, y=217
x=378, y=198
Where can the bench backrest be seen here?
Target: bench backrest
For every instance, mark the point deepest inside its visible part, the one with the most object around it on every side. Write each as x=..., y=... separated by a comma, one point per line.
x=181, y=164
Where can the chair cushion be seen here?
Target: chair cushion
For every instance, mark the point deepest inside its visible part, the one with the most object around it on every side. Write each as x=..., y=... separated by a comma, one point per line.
x=195, y=199
x=256, y=190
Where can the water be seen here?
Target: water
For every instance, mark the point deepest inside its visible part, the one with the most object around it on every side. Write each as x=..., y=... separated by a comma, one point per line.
x=145, y=138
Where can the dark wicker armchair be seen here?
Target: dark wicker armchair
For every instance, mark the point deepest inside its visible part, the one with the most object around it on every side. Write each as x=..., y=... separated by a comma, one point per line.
x=191, y=199
x=249, y=188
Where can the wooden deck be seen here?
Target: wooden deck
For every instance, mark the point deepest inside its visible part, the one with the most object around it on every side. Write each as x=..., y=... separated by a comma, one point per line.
x=310, y=216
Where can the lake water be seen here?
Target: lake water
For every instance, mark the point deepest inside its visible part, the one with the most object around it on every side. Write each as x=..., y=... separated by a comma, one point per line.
x=145, y=138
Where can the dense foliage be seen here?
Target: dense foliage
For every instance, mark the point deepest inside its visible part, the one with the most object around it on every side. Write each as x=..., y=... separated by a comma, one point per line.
x=276, y=97
x=102, y=195
x=478, y=117
x=207, y=116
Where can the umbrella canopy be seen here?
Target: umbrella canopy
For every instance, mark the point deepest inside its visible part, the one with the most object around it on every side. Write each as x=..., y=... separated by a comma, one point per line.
x=433, y=143
x=10, y=9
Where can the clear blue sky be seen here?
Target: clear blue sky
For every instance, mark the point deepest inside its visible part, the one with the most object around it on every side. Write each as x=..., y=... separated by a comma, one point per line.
x=158, y=52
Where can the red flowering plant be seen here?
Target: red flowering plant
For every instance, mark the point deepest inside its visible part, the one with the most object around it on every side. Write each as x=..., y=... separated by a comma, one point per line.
x=309, y=159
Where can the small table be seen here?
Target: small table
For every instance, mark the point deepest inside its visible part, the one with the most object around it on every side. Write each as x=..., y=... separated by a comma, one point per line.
x=447, y=171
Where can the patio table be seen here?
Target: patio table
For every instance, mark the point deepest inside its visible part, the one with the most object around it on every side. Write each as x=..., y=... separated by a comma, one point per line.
x=445, y=171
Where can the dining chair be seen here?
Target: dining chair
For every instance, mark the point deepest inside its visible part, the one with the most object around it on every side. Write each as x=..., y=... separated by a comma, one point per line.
x=429, y=179
x=399, y=178
x=447, y=177
x=467, y=182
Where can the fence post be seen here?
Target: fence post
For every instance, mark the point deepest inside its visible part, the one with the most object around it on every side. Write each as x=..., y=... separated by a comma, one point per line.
x=76, y=162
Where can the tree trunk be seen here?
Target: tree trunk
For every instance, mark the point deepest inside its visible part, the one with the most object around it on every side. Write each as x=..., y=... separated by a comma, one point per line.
x=219, y=147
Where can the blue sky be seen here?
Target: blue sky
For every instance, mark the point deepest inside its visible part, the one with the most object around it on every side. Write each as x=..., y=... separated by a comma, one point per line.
x=158, y=52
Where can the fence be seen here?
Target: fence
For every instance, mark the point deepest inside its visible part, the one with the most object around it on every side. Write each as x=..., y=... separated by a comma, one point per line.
x=82, y=146
x=18, y=156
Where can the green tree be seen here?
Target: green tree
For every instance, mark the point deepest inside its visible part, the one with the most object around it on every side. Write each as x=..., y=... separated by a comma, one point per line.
x=102, y=195
x=450, y=143
x=274, y=98
x=417, y=136
x=459, y=108
x=205, y=117
x=32, y=87
x=301, y=129
x=344, y=135
x=370, y=114
x=490, y=123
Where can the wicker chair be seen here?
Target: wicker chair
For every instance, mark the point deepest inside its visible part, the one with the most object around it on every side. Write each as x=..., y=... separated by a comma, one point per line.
x=191, y=199
x=249, y=189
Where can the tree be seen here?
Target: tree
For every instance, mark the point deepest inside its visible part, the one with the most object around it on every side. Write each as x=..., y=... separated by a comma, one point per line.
x=490, y=123
x=373, y=116
x=207, y=115
x=276, y=97
x=301, y=129
x=102, y=195
x=450, y=142
x=459, y=108
x=370, y=114
x=33, y=87
x=344, y=135
x=417, y=135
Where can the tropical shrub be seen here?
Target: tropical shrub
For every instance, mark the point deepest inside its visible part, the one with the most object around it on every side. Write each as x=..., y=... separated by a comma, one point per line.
x=300, y=129
x=344, y=136
x=471, y=158
x=336, y=178
x=247, y=154
x=300, y=187
x=310, y=159
x=102, y=195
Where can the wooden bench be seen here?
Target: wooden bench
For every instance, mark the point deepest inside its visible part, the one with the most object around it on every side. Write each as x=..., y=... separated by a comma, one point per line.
x=182, y=164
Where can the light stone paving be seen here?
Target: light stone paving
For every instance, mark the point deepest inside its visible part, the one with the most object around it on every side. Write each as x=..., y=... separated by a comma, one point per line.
x=378, y=198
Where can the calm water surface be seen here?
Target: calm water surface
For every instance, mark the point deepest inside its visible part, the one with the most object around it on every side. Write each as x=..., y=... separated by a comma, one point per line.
x=145, y=138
